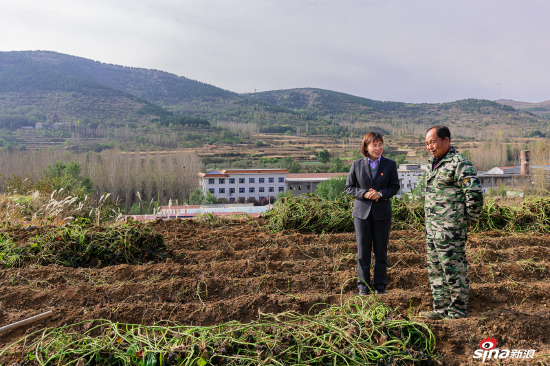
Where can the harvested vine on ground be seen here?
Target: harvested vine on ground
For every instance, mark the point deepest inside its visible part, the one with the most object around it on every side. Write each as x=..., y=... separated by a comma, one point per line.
x=81, y=245
x=358, y=332
x=311, y=213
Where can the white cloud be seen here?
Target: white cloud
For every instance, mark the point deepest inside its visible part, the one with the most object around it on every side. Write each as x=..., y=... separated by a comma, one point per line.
x=416, y=51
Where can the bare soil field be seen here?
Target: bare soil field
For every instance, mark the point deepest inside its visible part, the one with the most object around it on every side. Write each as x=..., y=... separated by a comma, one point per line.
x=231, y=271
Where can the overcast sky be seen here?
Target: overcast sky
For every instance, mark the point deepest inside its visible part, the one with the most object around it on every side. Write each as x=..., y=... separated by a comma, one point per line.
x=410, y=51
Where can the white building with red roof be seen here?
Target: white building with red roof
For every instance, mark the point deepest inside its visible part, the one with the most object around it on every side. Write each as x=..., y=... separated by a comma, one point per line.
x=232, y=184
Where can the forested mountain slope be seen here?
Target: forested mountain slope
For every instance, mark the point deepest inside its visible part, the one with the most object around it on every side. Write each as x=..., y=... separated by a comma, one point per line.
x=154, y=85
x=44, y=85
x=32, y=92
x=345, y=107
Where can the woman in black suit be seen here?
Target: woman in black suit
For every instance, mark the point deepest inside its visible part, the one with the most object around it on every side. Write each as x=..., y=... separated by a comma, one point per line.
x=373, y=181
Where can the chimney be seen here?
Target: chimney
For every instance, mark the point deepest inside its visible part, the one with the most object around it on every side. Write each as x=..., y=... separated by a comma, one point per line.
x=524, y=158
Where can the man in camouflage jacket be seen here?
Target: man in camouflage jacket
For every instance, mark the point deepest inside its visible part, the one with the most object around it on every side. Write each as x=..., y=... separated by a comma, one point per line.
x=454, y=200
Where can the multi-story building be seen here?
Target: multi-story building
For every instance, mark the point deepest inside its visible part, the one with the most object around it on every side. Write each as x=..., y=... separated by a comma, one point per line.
x=232, y=184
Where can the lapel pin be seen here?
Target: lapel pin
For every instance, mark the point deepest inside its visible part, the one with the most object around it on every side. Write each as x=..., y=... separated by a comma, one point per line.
x=381, y=173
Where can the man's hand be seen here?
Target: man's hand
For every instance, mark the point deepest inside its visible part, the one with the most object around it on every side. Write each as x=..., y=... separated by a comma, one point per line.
x=372, y=195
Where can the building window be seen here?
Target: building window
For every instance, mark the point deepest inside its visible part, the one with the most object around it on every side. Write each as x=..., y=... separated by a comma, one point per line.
x=241, y=190
x=222, y=190
x=231, y=180
x=261, y=197
x=271, y=189
x=251, y=189
x=281, y=189
x=241, y=180
x=299, y=188
x=290, y=187
x=261, y=180
x=210, y=181
x=231, y=190
x=308, y=187
x=261, y=189
x=211, y=190
x=231, y=199
x=271, y=180
x=250, y=180
x=221, y=181
x=481, y=181
x=281, y=179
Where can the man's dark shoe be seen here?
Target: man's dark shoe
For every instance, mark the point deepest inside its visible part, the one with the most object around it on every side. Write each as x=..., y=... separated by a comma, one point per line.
x=432, y=315
x=380, y=291
x=365, y=292
x=452, y=316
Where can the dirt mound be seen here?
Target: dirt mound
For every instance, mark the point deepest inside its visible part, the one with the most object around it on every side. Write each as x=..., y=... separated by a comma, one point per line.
x=217, y=273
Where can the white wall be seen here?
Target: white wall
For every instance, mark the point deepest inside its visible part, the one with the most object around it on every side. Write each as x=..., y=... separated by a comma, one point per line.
x=205, y=185
x=409, y=179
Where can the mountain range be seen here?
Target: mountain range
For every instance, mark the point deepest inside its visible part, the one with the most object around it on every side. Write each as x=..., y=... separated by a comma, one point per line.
x=49, y=87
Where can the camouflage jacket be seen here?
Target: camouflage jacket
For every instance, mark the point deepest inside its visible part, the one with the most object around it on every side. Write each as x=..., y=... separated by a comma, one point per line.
x=453, y=197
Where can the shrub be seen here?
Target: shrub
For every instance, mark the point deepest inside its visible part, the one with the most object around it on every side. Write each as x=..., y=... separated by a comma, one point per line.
x=196, y=197
x=331, y=188
x=323, y=156
x=284, y=194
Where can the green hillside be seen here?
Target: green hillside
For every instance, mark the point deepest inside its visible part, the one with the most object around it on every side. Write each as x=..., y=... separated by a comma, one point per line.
x=156, y=86
x=43, y=86
x=340, y=107
x=32, y=92
x=176, y=94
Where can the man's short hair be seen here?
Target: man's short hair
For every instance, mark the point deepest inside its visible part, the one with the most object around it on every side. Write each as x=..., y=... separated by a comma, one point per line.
x=441, y=131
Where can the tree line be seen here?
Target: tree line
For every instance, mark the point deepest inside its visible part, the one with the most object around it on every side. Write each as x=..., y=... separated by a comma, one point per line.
x=132, y=178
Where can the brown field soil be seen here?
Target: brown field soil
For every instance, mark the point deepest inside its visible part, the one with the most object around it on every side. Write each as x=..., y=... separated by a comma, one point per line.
x=232, y=270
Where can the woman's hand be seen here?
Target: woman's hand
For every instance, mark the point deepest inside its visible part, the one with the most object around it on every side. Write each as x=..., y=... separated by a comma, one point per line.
x=372, y=195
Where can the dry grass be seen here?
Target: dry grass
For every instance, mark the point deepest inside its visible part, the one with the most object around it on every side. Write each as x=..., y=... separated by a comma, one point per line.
x=55, y=209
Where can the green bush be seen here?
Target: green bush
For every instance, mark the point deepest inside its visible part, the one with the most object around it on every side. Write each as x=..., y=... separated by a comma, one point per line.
x=323, y=156
x=338, y=166
x=331, y=188
x=284, y=194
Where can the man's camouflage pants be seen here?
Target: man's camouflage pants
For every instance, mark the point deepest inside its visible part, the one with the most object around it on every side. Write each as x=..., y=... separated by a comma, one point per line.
x=447, y=271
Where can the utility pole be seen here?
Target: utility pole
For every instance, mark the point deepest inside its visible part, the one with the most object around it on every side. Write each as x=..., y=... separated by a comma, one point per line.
x=498, y=88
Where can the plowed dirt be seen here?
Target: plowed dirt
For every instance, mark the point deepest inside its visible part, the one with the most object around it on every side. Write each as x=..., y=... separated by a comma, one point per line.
x=214, y=274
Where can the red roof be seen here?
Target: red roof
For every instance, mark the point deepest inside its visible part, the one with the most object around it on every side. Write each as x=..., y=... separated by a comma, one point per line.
x=174, y=207
x=315, y=175
x=253, y=171
x=213, y=175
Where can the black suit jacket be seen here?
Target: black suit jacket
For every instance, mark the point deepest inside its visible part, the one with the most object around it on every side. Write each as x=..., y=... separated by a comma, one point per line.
x=360, y=181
